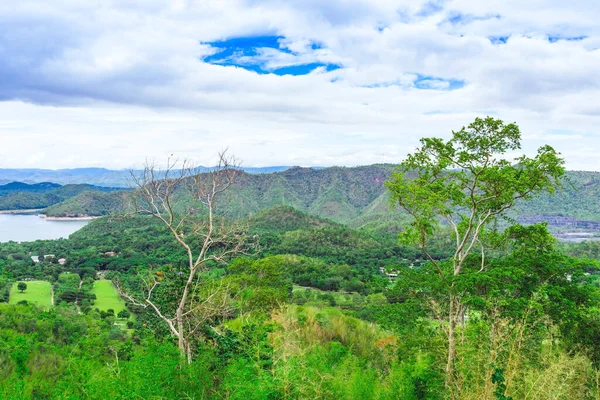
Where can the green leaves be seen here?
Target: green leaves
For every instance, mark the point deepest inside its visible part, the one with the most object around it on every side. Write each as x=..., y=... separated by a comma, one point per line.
x=469, y=182
x=486, y=136
x=498, y=380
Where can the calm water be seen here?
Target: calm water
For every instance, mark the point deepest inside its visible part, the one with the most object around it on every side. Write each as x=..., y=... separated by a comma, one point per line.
x=27, y=228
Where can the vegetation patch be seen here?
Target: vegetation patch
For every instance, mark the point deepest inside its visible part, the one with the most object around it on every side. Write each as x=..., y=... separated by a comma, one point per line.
x=281, y=304
x=38, y=292
x=107, y=297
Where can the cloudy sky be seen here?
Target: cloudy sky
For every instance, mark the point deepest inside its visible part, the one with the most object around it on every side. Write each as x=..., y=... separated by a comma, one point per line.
x=296, y=82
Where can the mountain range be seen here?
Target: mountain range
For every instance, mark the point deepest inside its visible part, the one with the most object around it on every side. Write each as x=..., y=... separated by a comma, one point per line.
x=355, y=196
x=94, y=176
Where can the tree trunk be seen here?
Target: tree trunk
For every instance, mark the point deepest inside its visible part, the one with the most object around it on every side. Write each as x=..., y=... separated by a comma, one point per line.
x=450, y=378
x=181, y=337
x=188, y=350
x=183, y=343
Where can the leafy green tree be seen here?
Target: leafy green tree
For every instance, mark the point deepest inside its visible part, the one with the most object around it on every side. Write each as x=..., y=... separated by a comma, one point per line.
x=19, y=354
x=22, y=286
x=261, y=284
x=524, y=288
x=469, y=182
x=353, y=286
x=124, y=314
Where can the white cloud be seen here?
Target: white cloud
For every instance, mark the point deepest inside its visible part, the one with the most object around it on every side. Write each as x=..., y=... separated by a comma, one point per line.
x=101, y=83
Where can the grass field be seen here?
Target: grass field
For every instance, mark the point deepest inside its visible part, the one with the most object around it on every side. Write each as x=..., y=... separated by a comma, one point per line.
x=39, y=292
x=107, y=296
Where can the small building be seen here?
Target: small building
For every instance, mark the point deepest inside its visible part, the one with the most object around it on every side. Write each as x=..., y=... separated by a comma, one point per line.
x=62, y=261
x=35, y=259
x=49, y=256
x=110, y=253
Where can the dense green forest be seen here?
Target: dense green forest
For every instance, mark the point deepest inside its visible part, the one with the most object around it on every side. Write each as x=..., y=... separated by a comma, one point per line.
x=310, y=312
x=21, y=196
x=211, y=290
x=353, y=196
x=15, y=187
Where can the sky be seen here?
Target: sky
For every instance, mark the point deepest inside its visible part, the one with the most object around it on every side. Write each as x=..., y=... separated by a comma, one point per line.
x=110, y=83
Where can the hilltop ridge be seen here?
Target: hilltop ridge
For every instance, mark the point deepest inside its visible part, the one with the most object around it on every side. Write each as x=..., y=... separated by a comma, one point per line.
x=23, y=196
x=351, y=195
x=95, y=176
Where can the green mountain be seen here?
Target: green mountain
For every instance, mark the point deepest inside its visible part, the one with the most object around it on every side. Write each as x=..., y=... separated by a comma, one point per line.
x=338, y=193
x=341, y=194
x=15, y=187
x=20, y=196
x=579, y=198
x=88, y=203
x=354, y=196
x=285, y=218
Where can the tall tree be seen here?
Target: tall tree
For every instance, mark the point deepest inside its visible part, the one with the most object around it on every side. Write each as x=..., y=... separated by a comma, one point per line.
x=184, y=200
x=468, y=181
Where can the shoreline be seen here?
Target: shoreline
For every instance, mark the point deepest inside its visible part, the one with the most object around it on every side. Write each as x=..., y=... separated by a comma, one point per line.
x=47, y=218
x=44, y=216
x=31, y=211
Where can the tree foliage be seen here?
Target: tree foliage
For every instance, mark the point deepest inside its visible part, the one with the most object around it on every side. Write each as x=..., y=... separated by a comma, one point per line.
x=468, y=183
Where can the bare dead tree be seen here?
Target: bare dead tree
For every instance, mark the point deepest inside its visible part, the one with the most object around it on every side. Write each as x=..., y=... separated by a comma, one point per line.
x=204, y=239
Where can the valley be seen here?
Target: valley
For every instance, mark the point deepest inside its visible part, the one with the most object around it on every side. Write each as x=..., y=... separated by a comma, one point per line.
x=281, y=284
x=291, y=200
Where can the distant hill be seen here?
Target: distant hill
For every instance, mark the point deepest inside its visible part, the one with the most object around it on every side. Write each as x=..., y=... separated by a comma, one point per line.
x=337, y=193
x=285, y=218
x=14, y=187
x=580, y=199
x=354, y=196
x=94, y=176
x=21, y=196
x=88, y=203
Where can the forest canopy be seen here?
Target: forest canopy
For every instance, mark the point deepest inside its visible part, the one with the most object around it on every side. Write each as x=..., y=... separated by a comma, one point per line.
x=449, y=299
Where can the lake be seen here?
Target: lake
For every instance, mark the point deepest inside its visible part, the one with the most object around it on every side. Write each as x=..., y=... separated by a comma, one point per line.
x=27, y=228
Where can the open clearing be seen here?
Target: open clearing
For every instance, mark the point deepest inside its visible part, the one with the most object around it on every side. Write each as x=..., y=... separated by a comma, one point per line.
x=107, y=296
x=38, y=292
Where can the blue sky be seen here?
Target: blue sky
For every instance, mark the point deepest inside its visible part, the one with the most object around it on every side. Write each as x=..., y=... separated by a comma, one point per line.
x=254, y=53
x=306, y=82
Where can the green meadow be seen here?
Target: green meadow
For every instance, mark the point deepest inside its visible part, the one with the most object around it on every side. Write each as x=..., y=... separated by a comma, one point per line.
x=107, y=296
x=38, y=292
